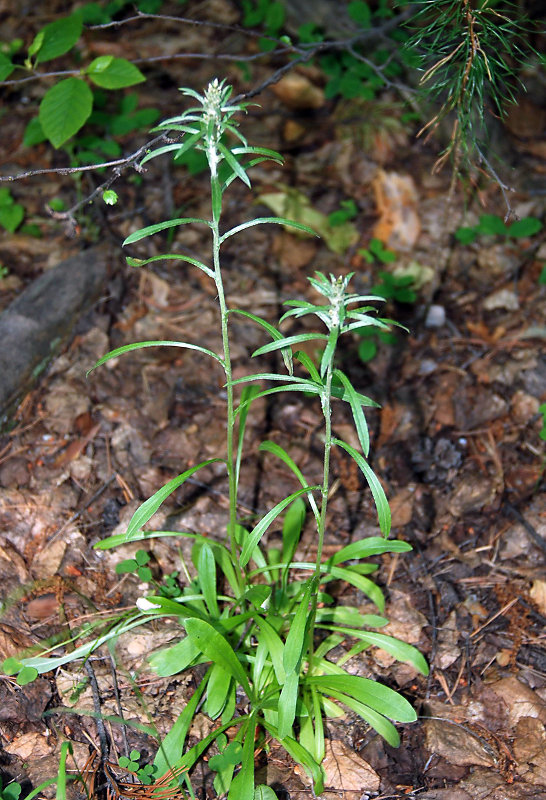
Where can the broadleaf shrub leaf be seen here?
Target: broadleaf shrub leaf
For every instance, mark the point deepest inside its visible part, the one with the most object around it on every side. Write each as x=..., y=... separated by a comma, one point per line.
x=56, y=38
x=64, y=110
x=528, y=226
x=114, y=73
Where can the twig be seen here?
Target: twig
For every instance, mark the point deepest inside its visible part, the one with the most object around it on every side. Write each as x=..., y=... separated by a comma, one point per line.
x=101, y=730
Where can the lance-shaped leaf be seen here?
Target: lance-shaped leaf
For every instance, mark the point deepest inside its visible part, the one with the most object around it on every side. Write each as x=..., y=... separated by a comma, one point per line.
x=273, y=332
x=378, y=722
x=370, y=693
x=215, y=647
x=151, y=505
x=172, y=746
x=402, y=651
x=161, y=226
x=140, y=262
x=242, y=787
x=381, y=502
x=266, y=221
x=237, y=168
x=255, y=536
x=302, y=756
x=276, y=450
x=356, y=408
x=287, y=341
x=127, y=348
x=371, y=546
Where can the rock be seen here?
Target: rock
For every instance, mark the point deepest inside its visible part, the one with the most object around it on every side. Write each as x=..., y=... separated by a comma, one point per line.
x=34, y=326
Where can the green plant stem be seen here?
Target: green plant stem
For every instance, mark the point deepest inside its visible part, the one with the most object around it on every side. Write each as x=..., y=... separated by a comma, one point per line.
x=230, y=459
x=326, y=402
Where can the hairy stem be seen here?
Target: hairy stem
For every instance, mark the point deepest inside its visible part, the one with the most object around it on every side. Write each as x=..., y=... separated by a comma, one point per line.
x=230, y=461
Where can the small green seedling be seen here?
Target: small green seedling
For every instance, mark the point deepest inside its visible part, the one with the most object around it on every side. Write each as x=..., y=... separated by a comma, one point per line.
x=376, y=251
x=25, y=674
x=136, y=565
x=491, y=225
x=395, y=287
x=145, y=774
x=11, y=213
x=347, y=211
x=10, y=792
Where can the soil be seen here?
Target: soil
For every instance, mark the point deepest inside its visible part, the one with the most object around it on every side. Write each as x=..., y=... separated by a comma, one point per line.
x=456, y=442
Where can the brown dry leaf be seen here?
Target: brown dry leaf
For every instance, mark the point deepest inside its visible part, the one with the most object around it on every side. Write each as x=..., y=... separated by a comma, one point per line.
x=46, y=562
x=29, y=746
x=537, y=594
x=530, y=750
x=448, y=650
x=397, y=201
x=520, y=700
x=12, y=641
x=457, y=744
x=402, y=506
x=347, y=773
x=296, y=91
x=63, y=403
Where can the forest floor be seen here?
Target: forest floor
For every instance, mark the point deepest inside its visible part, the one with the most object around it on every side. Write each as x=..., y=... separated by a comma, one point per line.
x=456, y=441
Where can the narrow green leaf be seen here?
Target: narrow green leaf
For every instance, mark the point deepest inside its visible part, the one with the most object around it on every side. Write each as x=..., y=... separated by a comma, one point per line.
x=161, y=226
x=402, y=651
x=64, y=110
x=287, y=704
x=265, y=221
x=216, y=199
x=175, y=659
x=270, y=155
x=192, y=755
x=348, y=615
x=371, y=546
x=255, y=536
x=287, y=341
x=294, y=520
x=329, y=351
x=370, y=693
x=381, y=502
x=368, y=587
x=296, y=641
x=356, y=409
x=304, y=359
x=206, y=567
x=46, y=664
x=273, y=332
x=215, y=647
x=218, y=689
x=56, y=38
x=275, y=647
x=378, y=722
x=138, y=262
x=277, y=450
x=301, y=756
x=151, y=505
x=66, y=747
x=109, y=72
x=127, y=348
x=234, y=164
x=179, y=147
x=242, y=786
x=247, y=395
